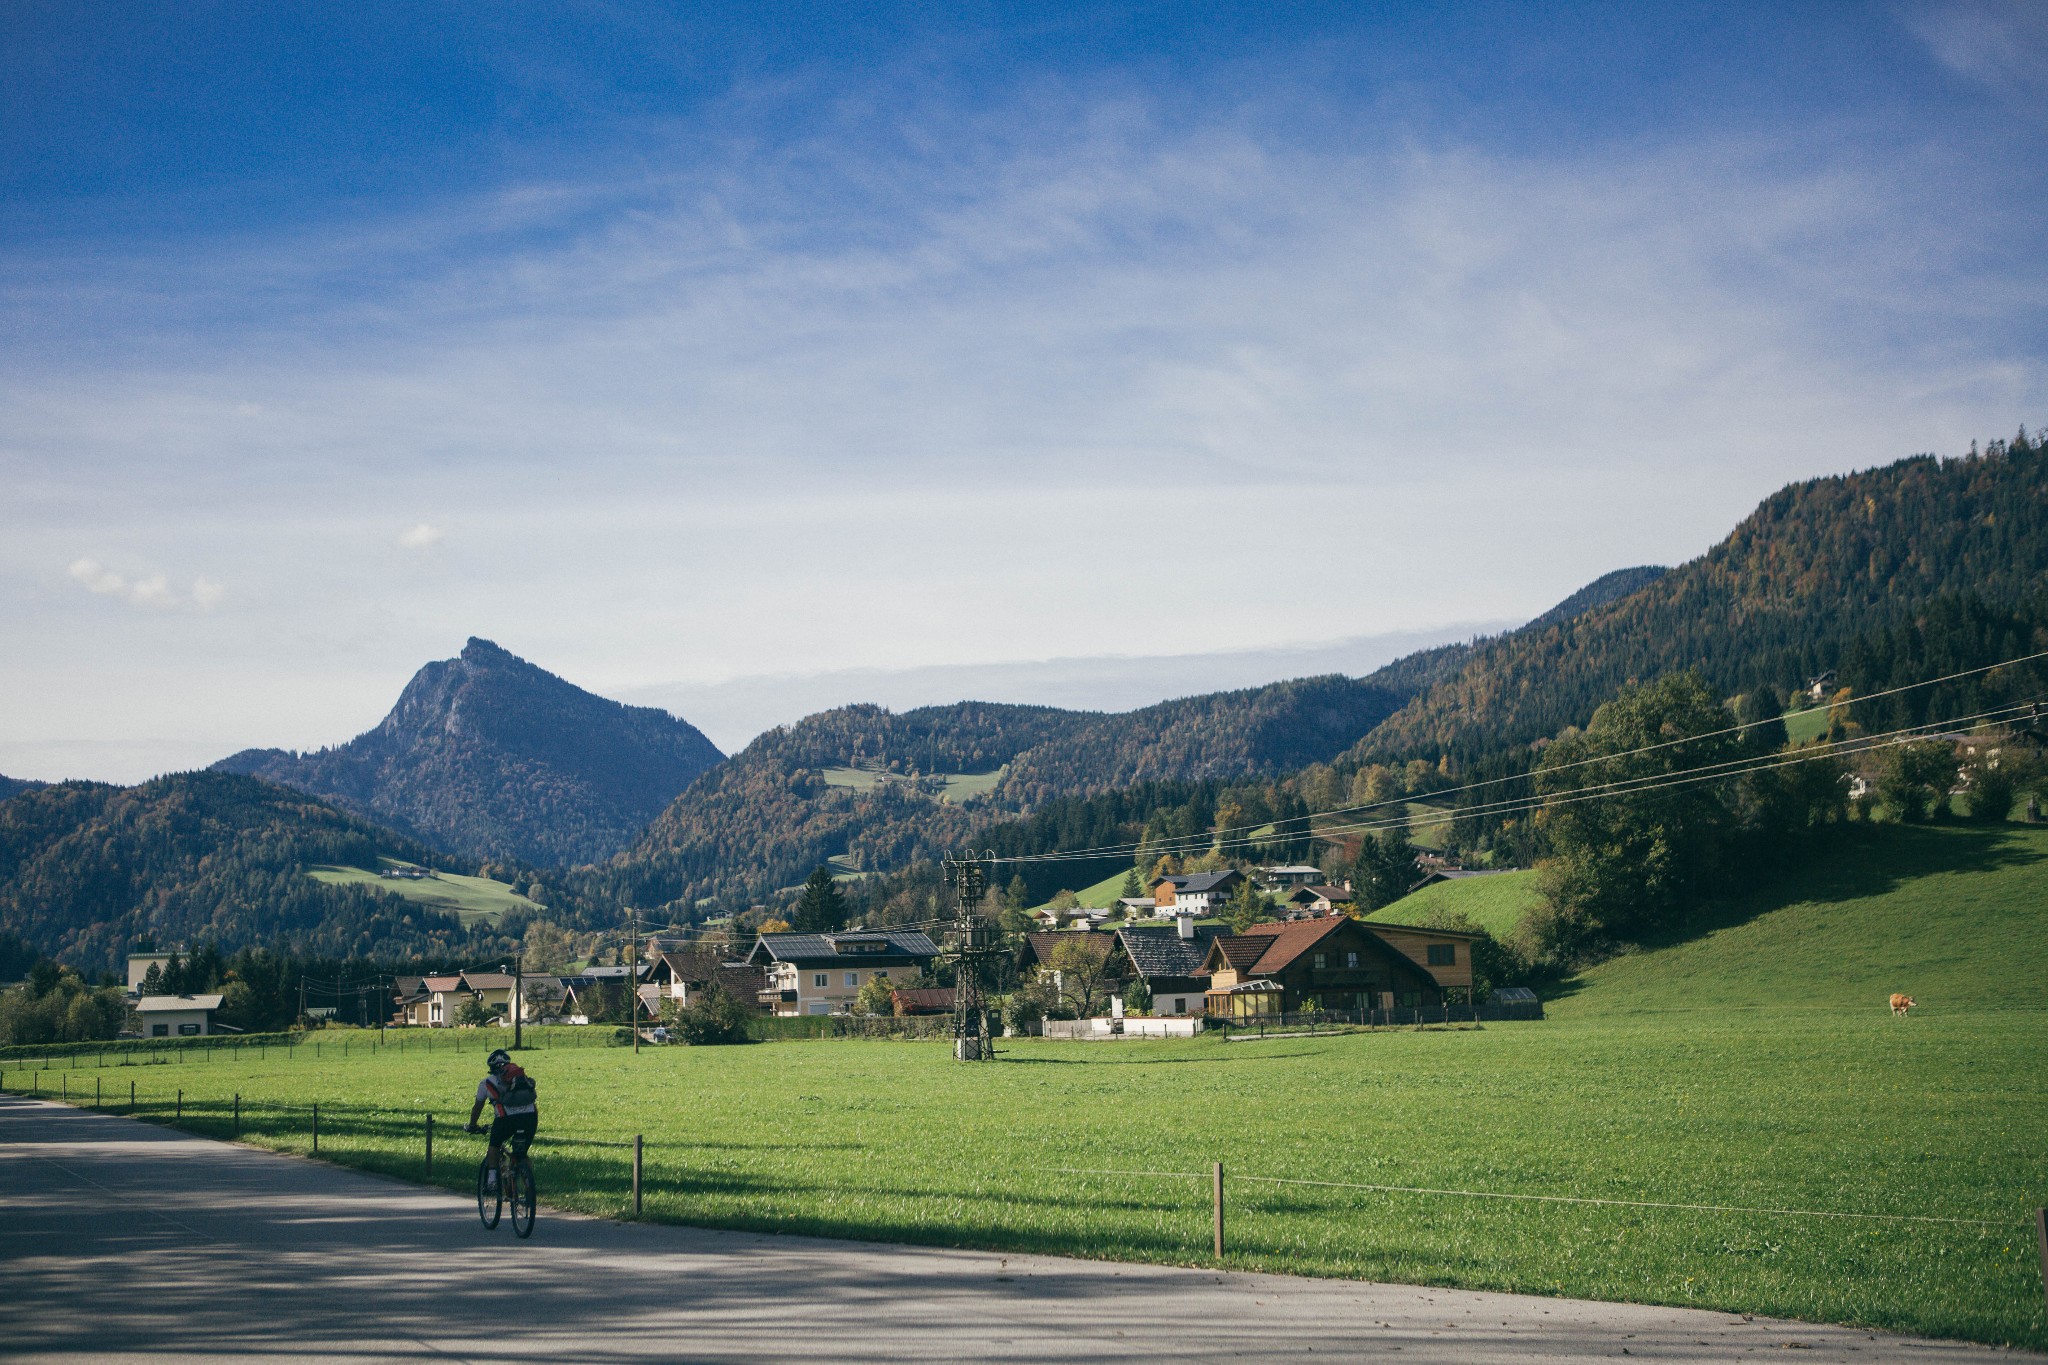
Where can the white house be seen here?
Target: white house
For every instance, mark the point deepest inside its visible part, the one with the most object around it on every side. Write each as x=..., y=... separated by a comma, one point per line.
x=177, y=1016
x=139, y=965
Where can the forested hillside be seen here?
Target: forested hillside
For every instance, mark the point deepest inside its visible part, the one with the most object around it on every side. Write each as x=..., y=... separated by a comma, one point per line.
x=770, y=815
x=487, y=756
x=1817, y=566
x=86, y=869
x=10, y=785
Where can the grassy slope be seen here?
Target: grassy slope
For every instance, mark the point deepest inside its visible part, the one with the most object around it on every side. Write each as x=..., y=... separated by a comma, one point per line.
x=959, y=786
x=1643, y=1085
x=1955, y=917
x=471, y=898
x=1495, y=902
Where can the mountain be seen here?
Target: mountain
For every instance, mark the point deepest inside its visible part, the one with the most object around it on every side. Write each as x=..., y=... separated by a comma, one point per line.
x=487, y=756
x=1608, y=587
x=86, y=869
x=1813, y=576
x=10, y=785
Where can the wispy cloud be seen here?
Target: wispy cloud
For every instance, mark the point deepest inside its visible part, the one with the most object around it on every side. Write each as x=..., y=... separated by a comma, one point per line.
x=420, y=537
x=152, y=591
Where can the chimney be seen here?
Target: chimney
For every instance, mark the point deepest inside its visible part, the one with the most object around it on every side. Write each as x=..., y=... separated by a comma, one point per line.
x=1186, y=925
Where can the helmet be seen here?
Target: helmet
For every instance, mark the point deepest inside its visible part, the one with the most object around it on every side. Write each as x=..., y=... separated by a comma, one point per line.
x=498, y=1060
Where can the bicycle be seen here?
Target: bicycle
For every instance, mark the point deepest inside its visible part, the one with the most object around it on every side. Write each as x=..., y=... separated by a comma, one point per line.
x=515, y=1178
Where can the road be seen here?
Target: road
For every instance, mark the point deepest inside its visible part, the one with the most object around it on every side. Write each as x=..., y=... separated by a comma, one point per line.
x=123, y=1241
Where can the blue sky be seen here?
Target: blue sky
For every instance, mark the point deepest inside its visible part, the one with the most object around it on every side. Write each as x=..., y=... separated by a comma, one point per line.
x=898, y=344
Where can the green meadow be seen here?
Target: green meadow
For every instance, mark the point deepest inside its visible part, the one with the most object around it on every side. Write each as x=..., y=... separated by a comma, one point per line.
x=469, y=898
x=1773, y=1140
x=1495, y=902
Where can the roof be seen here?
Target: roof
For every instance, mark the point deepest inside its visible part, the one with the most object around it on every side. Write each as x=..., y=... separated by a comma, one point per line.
x=1163, y=952
x=903, y=943
x=1376, y=925
x=1280, y=944
x=1515, y=995
x=1209, y=881
x=446, y=981
x=694, y=965
x=922, y=999
x=1039, y=947
x=1294, y=871
x=178, y=1002
x=489, y=981
x=613, y=973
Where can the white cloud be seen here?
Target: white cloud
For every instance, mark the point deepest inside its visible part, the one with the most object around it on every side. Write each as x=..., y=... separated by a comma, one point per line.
x=420, y=537
x=153, y=591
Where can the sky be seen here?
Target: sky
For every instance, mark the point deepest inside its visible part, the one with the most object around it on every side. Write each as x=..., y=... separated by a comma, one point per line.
x=777, y=350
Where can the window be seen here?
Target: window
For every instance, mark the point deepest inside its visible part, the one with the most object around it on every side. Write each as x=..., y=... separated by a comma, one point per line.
x=159, y=1030
x=188, y=1030
x=1351, y=959
x=852, y=980
x=1322, y=961
x=821, y=980
x=1443, y=954
x=1180, y=1004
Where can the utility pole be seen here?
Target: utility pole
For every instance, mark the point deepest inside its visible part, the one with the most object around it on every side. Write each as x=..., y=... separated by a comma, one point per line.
x=973, y=941
x=633, y=975
x=518, y=998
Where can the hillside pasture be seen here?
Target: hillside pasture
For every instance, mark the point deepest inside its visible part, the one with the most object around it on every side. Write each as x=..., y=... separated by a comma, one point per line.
x=469, y=898
x=954, y=787
x=1496, y=902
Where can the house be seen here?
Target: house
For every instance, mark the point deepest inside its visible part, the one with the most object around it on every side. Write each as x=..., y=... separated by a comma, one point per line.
x=1335, y=963
x=1041, y=952
x=1169, y=961
x=139, y=965
x=922, y=1000
x=1203, y=893
x=177, y=1016
x=1307, y=901
x=822, y=973
x=440, y=997
x=1818, y=686
x=1137, y=907
x=691, y=970
x=494, y=989
x=1452, y=874
x=1287, y=878
x=1166, y=894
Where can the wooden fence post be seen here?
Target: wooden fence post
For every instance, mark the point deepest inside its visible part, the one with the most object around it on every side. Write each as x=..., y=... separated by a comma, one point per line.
x=430, y=1144
x=316, y=1130
x=131, y=1097
x=178, y=1116
x=636, y=1175
x=238, y=1115
x=1219, y=1210
x=2041, y=1231
x=66, y=1079
x=95, y=1092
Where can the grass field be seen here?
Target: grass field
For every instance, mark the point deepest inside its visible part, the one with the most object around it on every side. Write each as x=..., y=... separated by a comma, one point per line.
x=471, y=898
x=1751, y=1066
x=1494, y=902
x=1804, y=727
x=958, y=786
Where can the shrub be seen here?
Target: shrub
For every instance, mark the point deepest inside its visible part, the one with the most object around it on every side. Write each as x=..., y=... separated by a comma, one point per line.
x=713, y=1016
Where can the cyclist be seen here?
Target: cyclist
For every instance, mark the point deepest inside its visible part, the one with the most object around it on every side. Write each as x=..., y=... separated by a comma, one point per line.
x=510, y=1092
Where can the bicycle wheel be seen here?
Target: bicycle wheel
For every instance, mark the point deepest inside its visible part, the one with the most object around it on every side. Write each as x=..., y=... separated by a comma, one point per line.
x=523, y=1198
x=490, y=1199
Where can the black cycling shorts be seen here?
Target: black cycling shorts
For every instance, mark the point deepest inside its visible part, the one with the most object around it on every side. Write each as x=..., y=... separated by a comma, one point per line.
x=516, y=1130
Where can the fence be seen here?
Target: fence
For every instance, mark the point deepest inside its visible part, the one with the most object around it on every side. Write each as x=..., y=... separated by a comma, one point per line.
x=321, y=1042
x=774, y=1028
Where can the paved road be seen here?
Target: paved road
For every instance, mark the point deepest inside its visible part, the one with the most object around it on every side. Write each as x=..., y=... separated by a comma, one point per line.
x=123, y=1241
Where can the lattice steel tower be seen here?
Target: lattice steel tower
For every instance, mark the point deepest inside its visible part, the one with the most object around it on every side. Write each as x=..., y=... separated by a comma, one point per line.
x=970, y=945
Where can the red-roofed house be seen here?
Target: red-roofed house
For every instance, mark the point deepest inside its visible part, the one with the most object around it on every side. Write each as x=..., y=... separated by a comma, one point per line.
x=1337, y=963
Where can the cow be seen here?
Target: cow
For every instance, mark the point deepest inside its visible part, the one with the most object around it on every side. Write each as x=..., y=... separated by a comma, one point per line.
x=1900, y=1004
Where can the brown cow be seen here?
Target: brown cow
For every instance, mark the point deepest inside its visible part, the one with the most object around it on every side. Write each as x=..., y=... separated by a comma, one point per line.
x=1900, y=1004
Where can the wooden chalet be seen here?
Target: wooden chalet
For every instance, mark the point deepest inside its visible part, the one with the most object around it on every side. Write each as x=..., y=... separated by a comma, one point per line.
x=1335, y=963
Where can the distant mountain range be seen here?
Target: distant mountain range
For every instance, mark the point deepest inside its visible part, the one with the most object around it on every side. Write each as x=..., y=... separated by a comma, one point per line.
x=487, y=756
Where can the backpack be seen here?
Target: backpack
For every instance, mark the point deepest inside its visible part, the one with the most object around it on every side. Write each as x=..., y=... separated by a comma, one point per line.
x=516, y=1091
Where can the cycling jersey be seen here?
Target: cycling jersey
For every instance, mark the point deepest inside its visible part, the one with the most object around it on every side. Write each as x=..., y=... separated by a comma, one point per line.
x=490, y=1091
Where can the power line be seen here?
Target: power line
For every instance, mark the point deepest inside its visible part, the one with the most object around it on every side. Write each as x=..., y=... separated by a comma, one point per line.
x=1111, y=850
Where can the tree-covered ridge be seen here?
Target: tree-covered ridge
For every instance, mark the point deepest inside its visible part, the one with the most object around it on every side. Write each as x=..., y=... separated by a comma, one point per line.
x=11, y=785
x=1218, y=735
x=767, y=818
x=487, y=756
x=1818, y=564
x=86, y=870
